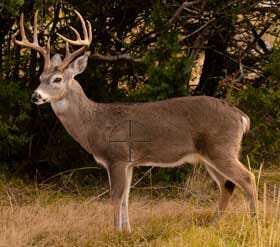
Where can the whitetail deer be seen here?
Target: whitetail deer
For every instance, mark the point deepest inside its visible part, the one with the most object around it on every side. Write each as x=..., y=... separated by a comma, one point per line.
x=167, y=133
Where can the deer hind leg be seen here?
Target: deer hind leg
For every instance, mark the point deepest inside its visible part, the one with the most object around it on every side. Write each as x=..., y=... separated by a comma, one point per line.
x=234, y=171
x=125, y=217
x=226, y=188
x=118, y=182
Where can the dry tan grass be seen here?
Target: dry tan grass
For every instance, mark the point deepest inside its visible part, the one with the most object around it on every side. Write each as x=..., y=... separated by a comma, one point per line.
x=44, y=218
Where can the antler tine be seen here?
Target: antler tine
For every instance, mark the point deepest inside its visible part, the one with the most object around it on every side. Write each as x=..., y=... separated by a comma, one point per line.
x=67, y=49
x=85, y=42
x=76, y=32
x=45, y=52
x=22, y=29
x=35, y=28
x=48, y=46
x=90, y=31
x=14, y=36
x=85, y=31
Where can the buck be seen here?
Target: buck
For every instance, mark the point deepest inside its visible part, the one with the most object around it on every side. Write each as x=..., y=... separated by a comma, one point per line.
x=167, y=133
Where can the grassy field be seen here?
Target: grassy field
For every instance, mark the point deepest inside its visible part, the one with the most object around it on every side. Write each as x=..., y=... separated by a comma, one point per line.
x=41, y=216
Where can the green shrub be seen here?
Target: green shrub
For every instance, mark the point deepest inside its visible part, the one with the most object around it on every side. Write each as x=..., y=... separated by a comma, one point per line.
x=167, y=67
x=14, y=117
x=263, y=107
x=273, y=67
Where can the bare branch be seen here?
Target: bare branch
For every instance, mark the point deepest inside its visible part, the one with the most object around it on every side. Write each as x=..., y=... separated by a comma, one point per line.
x=258, y=36
x=200, y=28
x=239, y=63
x=180, y=10
x=121, y=57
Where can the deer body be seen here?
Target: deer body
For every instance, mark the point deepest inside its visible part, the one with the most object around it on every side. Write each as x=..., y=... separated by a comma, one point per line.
x=175, y=126
x=166, y=133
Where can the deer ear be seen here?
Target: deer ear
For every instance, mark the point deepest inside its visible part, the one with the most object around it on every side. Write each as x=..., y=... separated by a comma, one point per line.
x=79, y=65
x=56, y=60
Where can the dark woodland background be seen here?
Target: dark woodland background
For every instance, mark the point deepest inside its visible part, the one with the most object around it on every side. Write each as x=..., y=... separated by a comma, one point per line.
x=142, y=50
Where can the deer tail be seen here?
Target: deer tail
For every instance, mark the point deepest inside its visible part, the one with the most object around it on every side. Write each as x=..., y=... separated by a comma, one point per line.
x=245, y=122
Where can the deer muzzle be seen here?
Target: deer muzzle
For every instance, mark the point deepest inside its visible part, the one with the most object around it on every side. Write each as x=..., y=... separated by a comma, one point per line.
x=38, y=98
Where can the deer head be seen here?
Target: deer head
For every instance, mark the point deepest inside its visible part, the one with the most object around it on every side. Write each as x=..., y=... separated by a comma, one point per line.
x=57, y=74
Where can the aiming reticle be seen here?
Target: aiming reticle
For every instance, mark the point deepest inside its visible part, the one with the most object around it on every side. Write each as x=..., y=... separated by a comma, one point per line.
x=129, y=141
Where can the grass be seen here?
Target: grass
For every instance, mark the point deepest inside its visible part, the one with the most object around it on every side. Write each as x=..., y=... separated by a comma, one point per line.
x=41, y=216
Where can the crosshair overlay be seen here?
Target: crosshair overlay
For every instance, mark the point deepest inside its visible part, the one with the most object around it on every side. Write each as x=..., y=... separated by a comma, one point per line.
x=128, y=141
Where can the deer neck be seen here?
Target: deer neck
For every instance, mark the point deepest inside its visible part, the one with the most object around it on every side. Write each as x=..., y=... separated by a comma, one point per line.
x=76, y=112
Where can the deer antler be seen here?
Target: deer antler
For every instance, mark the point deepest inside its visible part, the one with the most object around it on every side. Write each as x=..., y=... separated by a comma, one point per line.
x=87, y=32
x=44, y=51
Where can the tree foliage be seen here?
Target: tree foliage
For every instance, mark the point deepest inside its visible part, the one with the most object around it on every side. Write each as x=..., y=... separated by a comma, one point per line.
x=142, y=50
x=14, y=116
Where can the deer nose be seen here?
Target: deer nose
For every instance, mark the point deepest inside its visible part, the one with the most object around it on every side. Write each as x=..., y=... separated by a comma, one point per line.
x=35, y=97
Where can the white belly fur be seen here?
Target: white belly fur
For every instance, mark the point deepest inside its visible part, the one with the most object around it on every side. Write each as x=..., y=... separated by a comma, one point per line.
x=190, y=159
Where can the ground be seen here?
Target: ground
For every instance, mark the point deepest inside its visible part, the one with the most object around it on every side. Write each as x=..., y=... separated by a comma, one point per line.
x=39, y=215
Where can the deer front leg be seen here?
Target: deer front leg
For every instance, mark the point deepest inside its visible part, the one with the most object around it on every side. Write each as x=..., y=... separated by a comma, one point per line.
x=125, y=217
x=118, y=182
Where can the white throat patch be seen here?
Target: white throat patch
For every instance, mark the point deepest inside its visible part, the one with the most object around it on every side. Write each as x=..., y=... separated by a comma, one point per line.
x=60, y=105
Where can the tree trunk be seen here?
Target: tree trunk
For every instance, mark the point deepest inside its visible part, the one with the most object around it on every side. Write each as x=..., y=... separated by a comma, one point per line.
x=215, y=62
x=212, y=70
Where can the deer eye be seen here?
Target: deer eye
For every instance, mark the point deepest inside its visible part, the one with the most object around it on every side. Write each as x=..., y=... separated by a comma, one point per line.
x=57, y=80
